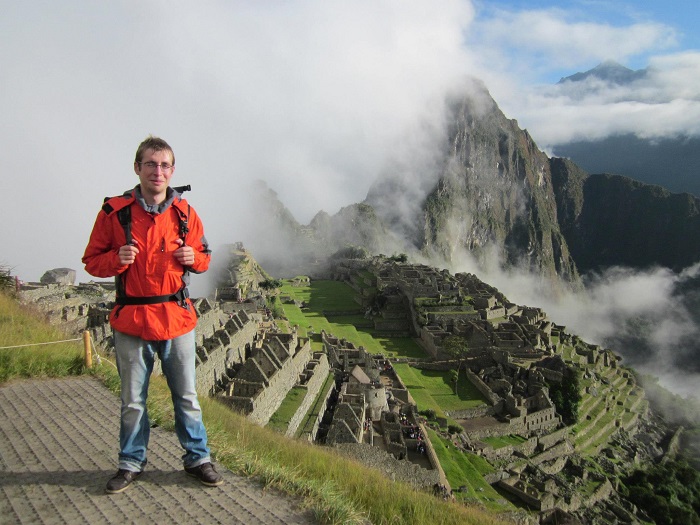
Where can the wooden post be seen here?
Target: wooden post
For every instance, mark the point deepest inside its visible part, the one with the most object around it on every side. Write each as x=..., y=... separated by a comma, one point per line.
x=88, y=350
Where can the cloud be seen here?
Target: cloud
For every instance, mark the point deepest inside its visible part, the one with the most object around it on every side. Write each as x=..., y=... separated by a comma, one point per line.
x=531, y=42
x=556, y=37
x=521, y=48
x=665, y=103
x=310, y=96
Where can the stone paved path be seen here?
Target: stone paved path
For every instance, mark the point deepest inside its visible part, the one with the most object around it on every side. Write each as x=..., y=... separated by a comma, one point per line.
x=58, y=448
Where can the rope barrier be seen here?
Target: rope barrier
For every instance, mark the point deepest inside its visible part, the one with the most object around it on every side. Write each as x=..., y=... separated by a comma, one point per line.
x=37, y=344
x=92, y=350
x=98, y=358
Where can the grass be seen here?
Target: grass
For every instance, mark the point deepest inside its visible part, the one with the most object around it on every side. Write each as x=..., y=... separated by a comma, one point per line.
x=307, y=425
x=401, y=347
x=504, y=441
x=437, y=382
x=431, y=389
x=324, y=300
x=466, y=471
x=421, y=395
x=22, y=325
x=338, y=490
x=323, y=296
x=281, y=418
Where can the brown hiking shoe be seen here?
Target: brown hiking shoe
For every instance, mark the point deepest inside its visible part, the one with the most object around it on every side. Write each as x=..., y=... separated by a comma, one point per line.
x=206, y=474
x=121, y=481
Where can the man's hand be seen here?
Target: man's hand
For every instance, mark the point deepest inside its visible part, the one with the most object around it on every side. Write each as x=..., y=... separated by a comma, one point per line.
x=184, y=254
x=127, y=254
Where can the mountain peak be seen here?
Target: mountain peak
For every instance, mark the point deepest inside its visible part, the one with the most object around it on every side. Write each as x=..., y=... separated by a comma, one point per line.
x=608, y=71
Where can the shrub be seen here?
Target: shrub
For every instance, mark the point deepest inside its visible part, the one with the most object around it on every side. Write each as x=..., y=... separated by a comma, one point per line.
x=429, y=414
x=7, y=281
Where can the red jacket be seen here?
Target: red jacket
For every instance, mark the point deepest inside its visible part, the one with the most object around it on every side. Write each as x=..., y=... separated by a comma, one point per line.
x=155, y=270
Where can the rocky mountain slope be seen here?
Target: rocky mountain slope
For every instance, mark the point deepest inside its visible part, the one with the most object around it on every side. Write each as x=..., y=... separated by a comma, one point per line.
x=489, y=191
x=613, y=220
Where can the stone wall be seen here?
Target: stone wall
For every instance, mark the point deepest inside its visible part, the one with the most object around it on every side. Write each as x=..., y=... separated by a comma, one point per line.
x=313, y=386
x=396, y=470
x=528, y=493
x=492, y=398
x=470, y=413
x=601, y=493
x=222, y=348
x=548, y=440
x=269, y=399
x=562, y=449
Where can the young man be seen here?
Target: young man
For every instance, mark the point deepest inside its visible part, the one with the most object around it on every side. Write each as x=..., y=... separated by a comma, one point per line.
x=150, y=239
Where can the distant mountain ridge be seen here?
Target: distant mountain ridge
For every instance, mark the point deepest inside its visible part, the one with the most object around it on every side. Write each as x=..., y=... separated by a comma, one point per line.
x=611, y=220
x=673, y=163
x=609, y=71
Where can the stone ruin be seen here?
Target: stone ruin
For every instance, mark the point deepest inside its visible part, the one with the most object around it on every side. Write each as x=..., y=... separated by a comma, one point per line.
x=514, y=352
x=374, y=420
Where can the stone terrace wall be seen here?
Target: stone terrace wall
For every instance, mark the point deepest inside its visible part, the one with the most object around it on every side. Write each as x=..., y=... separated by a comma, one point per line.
x=269, y=400
x=313, y=386
x=310, y=435
x=395, y=469
x=222, y=349
x=489, y=394
x=548, y=440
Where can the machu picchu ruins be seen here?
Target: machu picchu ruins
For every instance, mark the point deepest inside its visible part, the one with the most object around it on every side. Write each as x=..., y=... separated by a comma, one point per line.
x=544, y=405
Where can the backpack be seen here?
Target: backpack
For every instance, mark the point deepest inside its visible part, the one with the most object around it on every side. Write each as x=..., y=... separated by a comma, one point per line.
x=124, y=216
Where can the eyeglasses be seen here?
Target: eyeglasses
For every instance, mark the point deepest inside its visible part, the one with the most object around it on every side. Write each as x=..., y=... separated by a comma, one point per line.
x=164, y=166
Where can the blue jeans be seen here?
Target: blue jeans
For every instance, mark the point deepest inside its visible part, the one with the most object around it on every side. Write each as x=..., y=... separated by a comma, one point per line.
x=135, y=359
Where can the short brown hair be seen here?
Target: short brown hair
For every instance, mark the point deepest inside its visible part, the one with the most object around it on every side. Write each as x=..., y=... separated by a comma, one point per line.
x=156, y=144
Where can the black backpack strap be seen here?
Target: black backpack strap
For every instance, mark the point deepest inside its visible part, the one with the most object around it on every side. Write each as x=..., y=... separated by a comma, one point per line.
x=183, y=217
x=124, y=216
x=179, y=297
x=123, y=213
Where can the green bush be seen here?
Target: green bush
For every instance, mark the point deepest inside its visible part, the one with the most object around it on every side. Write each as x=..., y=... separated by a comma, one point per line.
x=566, y=395
x=7, y=281
x=428, y=413
x=275, y=307
x=454, y=429
x=270, y=284
x=669, y=493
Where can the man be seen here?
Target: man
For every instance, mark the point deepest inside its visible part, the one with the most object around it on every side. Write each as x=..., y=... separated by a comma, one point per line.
x=150, y=239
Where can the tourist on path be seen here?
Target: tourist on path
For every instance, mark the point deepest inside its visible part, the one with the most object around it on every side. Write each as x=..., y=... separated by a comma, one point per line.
x=150, y=239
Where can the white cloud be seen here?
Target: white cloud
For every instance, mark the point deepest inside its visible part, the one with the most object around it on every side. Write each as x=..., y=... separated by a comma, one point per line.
x=310, y=96
x=530, y=41
x=523, y=47
x=664, y=103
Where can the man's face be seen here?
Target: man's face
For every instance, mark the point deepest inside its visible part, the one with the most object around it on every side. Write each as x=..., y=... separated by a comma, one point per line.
x=154, y=179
